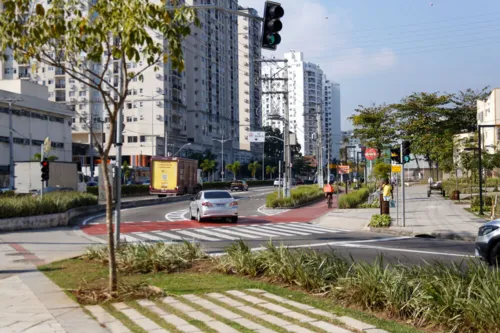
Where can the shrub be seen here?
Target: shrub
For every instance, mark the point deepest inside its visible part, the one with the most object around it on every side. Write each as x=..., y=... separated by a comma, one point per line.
x=354, y=198
x=51, y=203
x=127, y=190
x=451, y=297
x=298, y=196
x=380, y=221
x=148, y=258
x=7, y=194
x=487, y=201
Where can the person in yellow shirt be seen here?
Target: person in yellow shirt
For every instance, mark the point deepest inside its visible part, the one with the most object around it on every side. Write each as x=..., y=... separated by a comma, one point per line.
x=387, y=190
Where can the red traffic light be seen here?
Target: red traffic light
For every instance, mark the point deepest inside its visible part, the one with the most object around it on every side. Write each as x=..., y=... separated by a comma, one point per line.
x=45, y=163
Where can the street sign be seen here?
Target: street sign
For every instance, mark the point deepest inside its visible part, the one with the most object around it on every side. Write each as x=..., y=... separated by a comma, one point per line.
x=396, y=168
x=256, y=136
x=333, y=166
x=343, y=169
x=371, y=154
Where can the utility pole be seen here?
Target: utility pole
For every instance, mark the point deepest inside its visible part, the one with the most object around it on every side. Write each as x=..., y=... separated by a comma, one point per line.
x=12, y=174
x=328, y=157
x=320, y=145
x=402, y=186
x=222, y=141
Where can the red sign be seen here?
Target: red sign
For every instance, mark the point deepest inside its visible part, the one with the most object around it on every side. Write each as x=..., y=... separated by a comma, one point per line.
x=343, y=169
x=371, y=154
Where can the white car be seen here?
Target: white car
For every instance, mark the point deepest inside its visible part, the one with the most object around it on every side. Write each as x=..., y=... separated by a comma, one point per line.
x=278, y=182
x=213, y=204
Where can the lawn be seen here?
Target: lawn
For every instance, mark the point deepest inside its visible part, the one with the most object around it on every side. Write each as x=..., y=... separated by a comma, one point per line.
x=200, y=279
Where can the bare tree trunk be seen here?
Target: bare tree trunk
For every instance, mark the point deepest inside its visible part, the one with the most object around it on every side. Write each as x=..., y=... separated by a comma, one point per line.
x=109, y=224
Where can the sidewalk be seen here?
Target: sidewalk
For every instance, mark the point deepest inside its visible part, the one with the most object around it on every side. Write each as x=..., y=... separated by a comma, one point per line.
x=432, y=215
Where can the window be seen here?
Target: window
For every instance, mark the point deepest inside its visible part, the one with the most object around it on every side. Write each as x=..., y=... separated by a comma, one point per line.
x=129, y=119
x=82, y=93
x=131, y=139
x=80, y=107
x=129, y=106
x=51, y=81
x=71, y=93
x=143, y=138
x=7, y=70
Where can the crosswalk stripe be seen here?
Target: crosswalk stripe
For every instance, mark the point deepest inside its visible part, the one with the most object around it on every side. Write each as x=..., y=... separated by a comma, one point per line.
x=217, y=234
x=129, y=239
x=169, y=235
x=231, y=232
x=315, y=227
x=280, y=233
x=306, y=227
x=149, y=236
x=264, y=233
x=297, y=228
x=195, y=235
x=293, y=233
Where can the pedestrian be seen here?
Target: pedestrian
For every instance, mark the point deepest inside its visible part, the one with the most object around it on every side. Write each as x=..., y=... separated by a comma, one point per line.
x=430, y=181
x=386, y=190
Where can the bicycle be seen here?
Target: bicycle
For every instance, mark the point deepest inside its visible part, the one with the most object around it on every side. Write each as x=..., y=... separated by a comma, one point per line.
x=330, y=201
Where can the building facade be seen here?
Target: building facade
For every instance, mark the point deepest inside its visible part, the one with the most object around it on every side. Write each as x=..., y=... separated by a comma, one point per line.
x=488, y=113
x=249, y=51
x=333, y=134
x=34, y=118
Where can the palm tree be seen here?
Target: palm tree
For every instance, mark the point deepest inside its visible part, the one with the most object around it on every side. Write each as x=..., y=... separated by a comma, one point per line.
x=253, y=168
x=207, y=166
x=270, y=170
x=38, y=157
x=234, y=168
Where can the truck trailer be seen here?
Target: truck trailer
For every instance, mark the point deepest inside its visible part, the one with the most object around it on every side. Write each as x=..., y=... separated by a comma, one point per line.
x=174, y=176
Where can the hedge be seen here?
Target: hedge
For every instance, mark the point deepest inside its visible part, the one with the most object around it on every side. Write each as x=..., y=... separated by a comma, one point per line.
x=127, y=190
x=298, y=196
x=51, y=203
x=354, y=199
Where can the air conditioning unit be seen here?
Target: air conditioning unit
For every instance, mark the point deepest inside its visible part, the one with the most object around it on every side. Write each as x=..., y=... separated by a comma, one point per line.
x=84, y=113
x=158, y=117
x=159, y=90
x=247, y=119
x=247, y=110
x=159, y=76
x=73, y=87
x=73, y=127
x=159, y=103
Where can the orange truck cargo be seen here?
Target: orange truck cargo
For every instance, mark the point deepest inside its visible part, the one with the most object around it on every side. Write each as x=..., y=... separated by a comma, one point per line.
x=174, y=176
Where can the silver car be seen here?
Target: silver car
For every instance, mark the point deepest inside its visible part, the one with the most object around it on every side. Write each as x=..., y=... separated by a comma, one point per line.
x=488, y=242
x=213, y=204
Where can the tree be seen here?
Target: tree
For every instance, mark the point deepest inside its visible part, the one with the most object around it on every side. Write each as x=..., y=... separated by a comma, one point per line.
x=38, y=157
x=126, y=170
x=89, y=45
x=381, y=171
x=234, y=168
x=374, y=126
x=253, y=168
x=208, y=166
x=270, y=170
x=463, y=116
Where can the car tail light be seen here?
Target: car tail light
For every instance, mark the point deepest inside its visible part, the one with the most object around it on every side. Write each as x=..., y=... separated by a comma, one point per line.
x=206, y=204
x=234, y=203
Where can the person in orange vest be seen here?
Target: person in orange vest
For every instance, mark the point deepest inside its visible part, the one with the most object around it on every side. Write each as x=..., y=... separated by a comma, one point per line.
x=328, y=190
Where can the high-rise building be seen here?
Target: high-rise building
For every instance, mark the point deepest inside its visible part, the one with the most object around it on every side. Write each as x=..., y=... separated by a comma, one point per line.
x=331, y=129
x=249, y=51
x=212, y=80
x=305, y=93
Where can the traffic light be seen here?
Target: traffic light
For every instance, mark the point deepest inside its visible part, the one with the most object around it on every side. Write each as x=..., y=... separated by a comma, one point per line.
x=271, y=25
x=396, y=155
x=45, y=169
x=406, y=151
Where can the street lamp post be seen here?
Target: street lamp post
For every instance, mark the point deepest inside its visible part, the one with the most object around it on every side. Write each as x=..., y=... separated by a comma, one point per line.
x=187, y=144
x=222, y=141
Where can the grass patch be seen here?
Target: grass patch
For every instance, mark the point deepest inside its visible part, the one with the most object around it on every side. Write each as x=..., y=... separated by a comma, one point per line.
x=298, y=196
x=198, y=323
x=51, y=203
x=153, y=316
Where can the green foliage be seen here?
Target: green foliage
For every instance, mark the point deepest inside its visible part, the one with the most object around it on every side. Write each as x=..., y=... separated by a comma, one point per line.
x=226, y=185
x=234, y=168
x=127, y=190
x=374, y=204
x=455, y=298
x=126, y=170
x=270, y=170
x=149, y=258
x=375, y=126
x=354, y=198
x=51, y=203
x=37, y=157
x=381, y=170
x=8, y=194
x=298, y=196
x=487, y=201
x=253, y=168
x=380, y=221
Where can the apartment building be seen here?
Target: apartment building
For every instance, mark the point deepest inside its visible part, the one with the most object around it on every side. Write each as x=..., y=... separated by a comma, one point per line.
x=249, y=50
x=212, y=80
x=488, y=113
x=34, y=118
x=306, y=98
x=331, y=129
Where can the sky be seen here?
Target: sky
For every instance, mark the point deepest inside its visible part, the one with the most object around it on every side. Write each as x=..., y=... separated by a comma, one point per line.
x=383, y=50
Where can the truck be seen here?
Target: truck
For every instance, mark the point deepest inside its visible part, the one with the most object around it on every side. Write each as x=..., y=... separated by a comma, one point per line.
x=174, y=176
x=61, y=174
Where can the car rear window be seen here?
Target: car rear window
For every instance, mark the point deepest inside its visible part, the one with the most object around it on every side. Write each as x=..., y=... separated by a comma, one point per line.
x=217, y=195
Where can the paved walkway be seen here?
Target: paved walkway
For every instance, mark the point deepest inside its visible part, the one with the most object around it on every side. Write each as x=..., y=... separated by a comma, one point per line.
x=432, y=215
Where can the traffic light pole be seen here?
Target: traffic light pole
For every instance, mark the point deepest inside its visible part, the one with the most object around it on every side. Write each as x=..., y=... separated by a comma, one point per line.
x=42, y=152
x=402, y=187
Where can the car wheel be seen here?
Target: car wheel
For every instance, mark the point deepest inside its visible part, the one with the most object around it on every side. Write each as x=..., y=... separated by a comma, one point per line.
x=191, y=216
x=198, y=217
x=234, y=219
x=495, y=255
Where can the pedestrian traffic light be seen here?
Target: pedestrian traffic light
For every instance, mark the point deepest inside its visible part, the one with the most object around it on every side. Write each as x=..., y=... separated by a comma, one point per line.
x=396, y=155
x=406, y=151
x=271, y=25
x=45, y=169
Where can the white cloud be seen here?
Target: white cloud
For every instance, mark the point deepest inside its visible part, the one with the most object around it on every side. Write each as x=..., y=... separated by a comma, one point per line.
x=317, y=31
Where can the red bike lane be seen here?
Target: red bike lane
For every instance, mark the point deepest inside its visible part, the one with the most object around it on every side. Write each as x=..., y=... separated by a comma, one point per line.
x=302, y=214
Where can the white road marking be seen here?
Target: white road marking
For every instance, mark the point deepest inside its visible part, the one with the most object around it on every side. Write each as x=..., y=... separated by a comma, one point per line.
x=279, y=228
x=149, y=236
x=307, y=226
x=169, y=235
x=265, y=234
x=129, y=239
x=281, y=233
x=231, y=232
x=198, y=236
x=270, y=212
x=177, y=215
x=382, y=248
x=299, y=228
x=216, y=234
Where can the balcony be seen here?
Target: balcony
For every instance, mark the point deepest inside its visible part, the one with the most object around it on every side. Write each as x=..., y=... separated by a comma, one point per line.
x=60, y=98
x=60, y=86
x=59, y=72
x=24, y=75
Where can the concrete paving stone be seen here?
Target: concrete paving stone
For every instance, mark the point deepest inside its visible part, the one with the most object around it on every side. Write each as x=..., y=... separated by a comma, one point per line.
x=252, y=325
x=230, y=301
x=145, y=323
x=323, y=313
x=120, y=306
x=297, y=329
x=172, y=319
x=329, y=327
x=223, y=312
x=351, y=322
x=198, y=315
x=259, y=291
x=216, y=295
x=77, y=321
x=298, y=316
x=248, y=298
x=236, y=293
x=221, y=327
x=108, y=320
x=275, y=320
x=181, y=307
x=251, y=311
x=169, y=300
x=288, y=302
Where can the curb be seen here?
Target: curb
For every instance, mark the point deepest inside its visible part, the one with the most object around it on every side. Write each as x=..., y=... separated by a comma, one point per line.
x=439, y=235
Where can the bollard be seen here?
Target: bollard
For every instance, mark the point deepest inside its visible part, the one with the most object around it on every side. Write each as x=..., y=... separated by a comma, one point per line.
x=384, y=206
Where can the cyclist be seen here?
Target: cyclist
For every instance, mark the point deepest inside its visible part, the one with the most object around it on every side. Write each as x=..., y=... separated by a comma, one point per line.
x=328, y=190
